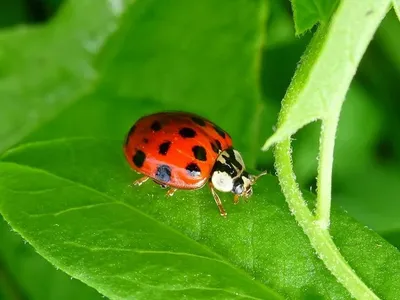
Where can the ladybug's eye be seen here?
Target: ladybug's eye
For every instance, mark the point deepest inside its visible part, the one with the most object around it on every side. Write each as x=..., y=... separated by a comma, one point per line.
x=238, y=186
x=238, y=189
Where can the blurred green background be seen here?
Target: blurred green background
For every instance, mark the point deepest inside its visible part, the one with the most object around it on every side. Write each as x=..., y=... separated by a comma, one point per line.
x=366, y=179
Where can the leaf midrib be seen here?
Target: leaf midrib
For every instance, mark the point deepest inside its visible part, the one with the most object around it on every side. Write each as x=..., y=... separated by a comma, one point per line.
x=216, y=257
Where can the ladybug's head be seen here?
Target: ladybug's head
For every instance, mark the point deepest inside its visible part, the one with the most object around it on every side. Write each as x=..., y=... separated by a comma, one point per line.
x=229, y=174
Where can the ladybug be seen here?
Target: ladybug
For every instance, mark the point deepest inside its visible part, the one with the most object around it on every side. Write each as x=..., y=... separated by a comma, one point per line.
x=181, y=150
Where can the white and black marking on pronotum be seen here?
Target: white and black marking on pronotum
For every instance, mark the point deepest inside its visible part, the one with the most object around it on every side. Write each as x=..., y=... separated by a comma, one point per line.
x=222, y=166
x=235, y=158
x=222, y=181
x=229, y=175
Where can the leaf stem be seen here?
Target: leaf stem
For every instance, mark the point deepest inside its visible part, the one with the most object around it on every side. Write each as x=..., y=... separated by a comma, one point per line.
x=320, y=238
x=317, y=91
x=325, y=165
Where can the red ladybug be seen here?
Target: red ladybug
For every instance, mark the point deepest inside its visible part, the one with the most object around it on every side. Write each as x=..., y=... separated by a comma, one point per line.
x=183, y=151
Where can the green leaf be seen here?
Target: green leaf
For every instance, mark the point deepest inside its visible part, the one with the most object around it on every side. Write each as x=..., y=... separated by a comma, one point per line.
x=12, y=12
x=308, y=13
x=127, y=252
x=72, y=200
x=387, y=36
x=393, y=237
x=44, y=69
x=27, y=275
x=82, y=215
x=315, y=95
x=144, y=69
x=317, y=91
x=396, y=5
x=280, y=29
x=215, y=76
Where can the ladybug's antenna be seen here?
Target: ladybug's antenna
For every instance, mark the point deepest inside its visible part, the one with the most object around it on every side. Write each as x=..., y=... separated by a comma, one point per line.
x=255, y=178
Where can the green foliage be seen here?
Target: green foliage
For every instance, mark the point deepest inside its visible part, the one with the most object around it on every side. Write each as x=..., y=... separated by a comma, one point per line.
x=25, y=274
x=50, y=67
x=396, y=4
x=11, y=11
x=81, y=80
x=308, y=13
x=124, y=242
x=310, y=98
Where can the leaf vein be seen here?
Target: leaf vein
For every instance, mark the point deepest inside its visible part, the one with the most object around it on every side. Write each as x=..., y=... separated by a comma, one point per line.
x=112, y=200
x=71, y=209
x=163, y=288
x=140, y=251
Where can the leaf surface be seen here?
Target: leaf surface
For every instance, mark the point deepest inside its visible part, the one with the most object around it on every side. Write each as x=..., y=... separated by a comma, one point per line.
x=308, y=13
x=108, y=103
x=82, y=215
x=211, y=72
x=44, y=69
x=396, y=4
x=50, y=65
x=27, y=275
x=313, y=95
x=71, y=197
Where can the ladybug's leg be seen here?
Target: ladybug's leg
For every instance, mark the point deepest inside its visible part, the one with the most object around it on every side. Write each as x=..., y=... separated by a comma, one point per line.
x=218, y=201
x=162, y=185
x=236, y=199
x=140, y=181
x=171, y=191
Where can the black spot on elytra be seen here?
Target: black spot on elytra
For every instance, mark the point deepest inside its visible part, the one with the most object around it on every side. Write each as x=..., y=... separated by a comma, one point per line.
x=146, y=141
x=219, y=131
x=139, y=158
x=215, y=147
x=131, y=131
x=187, y=132
x=164, y=147
x=199, y=121
x=193, y=170
x=199, y=153
x=163, y=173
x=218, y=144
x=156, y=126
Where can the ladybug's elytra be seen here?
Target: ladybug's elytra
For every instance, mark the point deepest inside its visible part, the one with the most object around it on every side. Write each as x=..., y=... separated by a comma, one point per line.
x=184, y=151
